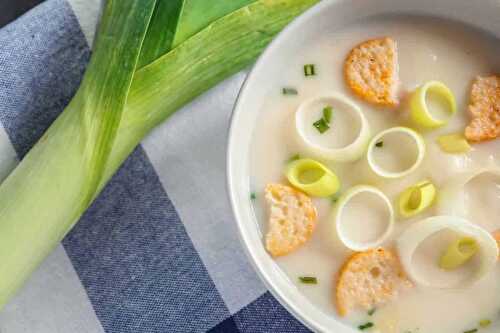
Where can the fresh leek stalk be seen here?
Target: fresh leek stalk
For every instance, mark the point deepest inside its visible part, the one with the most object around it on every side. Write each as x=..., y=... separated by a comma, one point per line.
x=115, y=107
x=458, y=253
x=312, y=177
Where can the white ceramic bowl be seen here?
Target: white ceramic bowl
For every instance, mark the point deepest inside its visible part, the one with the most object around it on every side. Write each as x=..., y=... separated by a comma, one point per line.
x=328, y=15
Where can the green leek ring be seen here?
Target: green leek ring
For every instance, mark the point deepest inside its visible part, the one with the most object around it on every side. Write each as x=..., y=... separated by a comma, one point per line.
x=324, y=182
x=420, y=112
x=417, y=198
x=458, y=253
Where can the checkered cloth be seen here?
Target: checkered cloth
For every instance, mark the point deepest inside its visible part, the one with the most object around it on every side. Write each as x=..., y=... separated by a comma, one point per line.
x=158, y=251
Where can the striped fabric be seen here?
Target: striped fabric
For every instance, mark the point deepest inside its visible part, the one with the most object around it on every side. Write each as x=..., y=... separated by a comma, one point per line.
x=158, y=250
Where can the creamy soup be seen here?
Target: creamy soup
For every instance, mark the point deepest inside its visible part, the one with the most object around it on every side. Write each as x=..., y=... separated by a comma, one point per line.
x=427, y=50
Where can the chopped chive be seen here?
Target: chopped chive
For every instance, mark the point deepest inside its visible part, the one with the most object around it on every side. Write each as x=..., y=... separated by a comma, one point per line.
x=308, y=279
x=484, y=323
x=372, y=311
x=474, y=330
x=294, y=158
x=379, y=144
x=290, y=91
x=309, y=70
x=327, y=114
x=334, y=199
x=365, y=326
x=253, y=196
x=321, y=126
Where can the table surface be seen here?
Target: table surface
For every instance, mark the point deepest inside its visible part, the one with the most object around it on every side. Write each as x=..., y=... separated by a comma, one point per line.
x=11, y=9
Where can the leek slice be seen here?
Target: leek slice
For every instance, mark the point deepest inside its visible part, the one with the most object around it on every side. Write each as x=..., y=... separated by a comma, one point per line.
x=453, y=143
x=312, y=177
x=354, y=150
x=458, y=253
x=174, y=21
x=453, y=198
x=375, y=144
x=49, y=190
x=417, y=233
x=340, y=224
x=420, y=112
x=417, y=198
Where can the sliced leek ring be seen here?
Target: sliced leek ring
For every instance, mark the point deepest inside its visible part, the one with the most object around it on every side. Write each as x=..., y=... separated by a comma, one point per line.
x=412, y=238
x=417, y=198
x=354, y=150
x=417, y=139
x=420, y=112
x=458, y=253
x=452, y=196
x=312, y=177
x=340, y=223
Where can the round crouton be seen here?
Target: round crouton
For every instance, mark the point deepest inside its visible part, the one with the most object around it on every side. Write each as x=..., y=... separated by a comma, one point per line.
x=292, y=219
x=484, y=108
x=371, y=71
x=368, y=279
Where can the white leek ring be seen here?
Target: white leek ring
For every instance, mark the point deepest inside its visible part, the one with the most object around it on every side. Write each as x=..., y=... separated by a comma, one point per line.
x=453, y=198
x=411, y=239
x=349, y=153
x=417, y=139
x=322, y=182
x=420, y=112
x=340, y=223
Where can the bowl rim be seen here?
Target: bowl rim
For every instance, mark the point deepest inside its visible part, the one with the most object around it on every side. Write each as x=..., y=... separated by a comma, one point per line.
x=279, y=294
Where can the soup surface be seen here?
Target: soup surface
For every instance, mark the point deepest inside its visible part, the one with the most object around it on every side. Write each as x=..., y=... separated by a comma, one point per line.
x=428, y=50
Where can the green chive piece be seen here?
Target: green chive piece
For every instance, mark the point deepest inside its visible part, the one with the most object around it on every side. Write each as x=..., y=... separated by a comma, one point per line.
x=372, y=311
x=365, y=326
x=290, y=91
x=294, y=158
x=327, y=114
x=321, y=126
x=379, y=144
x=472, y=331
x=308, y=279
x=309, y=70
x=484, y=323
x=253, y=196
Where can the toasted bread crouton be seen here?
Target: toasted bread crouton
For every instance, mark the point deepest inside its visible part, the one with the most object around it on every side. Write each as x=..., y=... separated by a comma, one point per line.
x=484, y=108
x=368, y=279
x=292, y=219
x=371, y=71
x=496, y=235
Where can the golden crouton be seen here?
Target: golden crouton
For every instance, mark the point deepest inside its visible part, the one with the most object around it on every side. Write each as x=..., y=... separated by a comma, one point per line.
x=292, y=219
x=368, y=279
x=484, y=108
x=371, y=71
x=496, y=235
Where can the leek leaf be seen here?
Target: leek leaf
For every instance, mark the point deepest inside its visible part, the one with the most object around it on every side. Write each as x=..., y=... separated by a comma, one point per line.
x=197, y=14
x=174, y=21
x=161, y=30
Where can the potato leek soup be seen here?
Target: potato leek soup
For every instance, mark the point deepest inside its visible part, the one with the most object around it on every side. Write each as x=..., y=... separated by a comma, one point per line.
x=375, y=175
